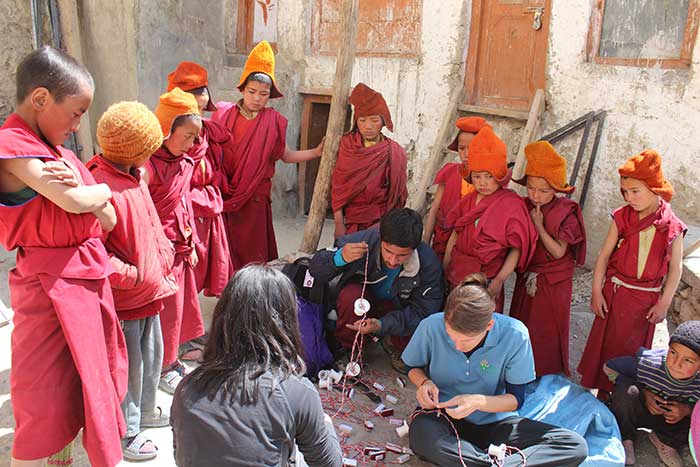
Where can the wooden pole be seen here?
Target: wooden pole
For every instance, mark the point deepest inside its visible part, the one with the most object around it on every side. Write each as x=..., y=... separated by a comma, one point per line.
x=533, y=124
x=437, y=151
x=336, y=124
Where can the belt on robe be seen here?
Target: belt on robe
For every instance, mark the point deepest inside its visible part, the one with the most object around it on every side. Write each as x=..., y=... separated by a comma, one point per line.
x=619, y=282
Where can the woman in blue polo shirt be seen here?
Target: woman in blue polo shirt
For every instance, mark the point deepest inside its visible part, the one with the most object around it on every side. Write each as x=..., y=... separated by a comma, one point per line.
x=473, y=365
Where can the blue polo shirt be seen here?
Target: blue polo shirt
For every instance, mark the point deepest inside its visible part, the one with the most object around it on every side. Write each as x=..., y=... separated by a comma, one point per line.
x=505, y=356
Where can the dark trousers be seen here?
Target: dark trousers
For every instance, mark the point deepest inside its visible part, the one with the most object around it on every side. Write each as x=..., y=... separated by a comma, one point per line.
x=345, y=307
x=433, y=439
x=627, y=404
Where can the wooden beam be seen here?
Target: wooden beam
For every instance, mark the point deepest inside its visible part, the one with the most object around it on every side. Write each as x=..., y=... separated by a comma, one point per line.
x=72, y=42
x=508, y=113
x=437, y=151
x=336, y=123
x=533, y=124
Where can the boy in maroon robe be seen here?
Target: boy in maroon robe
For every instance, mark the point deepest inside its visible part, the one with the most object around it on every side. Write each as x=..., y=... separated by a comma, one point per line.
x=69, y=367
x=637, y=270
x=542, y=295
x=451, y=186
x=369, y=178
x=170, y=175
x=214, y=268
x=493, y=232
x=142, y=257
x=259, y=137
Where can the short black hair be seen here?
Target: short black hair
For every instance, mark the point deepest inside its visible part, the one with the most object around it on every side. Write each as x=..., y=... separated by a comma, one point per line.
x=180, y=120
x=53, y=69
x=402, y=227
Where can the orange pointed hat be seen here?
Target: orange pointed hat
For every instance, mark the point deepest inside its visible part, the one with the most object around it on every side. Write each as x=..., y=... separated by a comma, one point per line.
x=466, y=125
x=545, y=162
x=261, y=60
x=189, y=76
x=646, y=167
x=173, y=104
x=366, y=102
x=488, y=153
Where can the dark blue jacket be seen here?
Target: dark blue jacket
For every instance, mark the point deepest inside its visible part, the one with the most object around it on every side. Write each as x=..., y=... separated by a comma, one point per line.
x=417, y=289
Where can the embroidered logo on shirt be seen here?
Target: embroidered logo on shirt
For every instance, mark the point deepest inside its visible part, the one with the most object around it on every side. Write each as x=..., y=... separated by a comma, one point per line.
x=485, y=365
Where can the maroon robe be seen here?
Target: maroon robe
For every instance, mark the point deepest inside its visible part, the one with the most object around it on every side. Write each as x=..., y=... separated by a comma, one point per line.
x=69, y=365
x=486, y=232
x=451, y=179
x=368, y=181
x=258, y=145
x=546, y=314
x=214, y=268
x=169, y=185
x=625, y=327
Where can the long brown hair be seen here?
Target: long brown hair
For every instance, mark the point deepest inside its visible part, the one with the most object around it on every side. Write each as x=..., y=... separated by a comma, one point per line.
x=470, y=306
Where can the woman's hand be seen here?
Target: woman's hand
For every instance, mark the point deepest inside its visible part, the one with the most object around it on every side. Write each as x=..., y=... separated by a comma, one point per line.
x=427, y=395
x=462, y=406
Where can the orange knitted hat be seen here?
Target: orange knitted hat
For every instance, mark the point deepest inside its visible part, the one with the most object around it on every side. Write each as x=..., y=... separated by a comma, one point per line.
x=261, y=60
x=467, y=125
x=646, y=167
x=128, y=133
x=367, y=102
x=545, y=162
x=189, y=76
x=173, y=104
x=487, y=153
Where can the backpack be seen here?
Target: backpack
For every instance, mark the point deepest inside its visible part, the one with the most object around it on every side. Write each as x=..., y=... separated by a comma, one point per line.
x=310, y=301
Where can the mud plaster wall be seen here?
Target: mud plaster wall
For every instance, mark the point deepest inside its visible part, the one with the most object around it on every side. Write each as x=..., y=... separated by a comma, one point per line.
x=647, y=108
x=16, y=25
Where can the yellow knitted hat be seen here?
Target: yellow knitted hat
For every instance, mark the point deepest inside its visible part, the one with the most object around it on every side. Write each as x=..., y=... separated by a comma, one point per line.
x=129, y=133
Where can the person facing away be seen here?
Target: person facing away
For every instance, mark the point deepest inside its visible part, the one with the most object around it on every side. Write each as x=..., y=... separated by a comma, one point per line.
x=451, y=186
x=470, y=367
x=369, y=178
x=492, y=230
x=542, y=294
x=142, y=258
x=259, y=136
x=69, y=364
x=657, y=389
x=248, y=403
x=403, y=277
x=637, y=270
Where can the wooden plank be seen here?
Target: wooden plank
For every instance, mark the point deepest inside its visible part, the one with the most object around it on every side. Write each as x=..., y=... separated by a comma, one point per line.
x=533, y=124
x=477, y=109
x=336, y=123
x=437, y=151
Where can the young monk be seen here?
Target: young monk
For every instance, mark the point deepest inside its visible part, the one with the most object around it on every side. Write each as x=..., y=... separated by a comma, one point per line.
x=369, y=178
x=451, y=186
x=170, y=174
x=542, y=295
x=214, y=268
x=493, y=232
x=637, y=270
x=142, y=257
x=69, y=367
x=259, y=136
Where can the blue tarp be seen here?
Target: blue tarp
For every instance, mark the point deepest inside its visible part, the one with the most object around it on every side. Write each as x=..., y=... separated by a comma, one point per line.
x=555, y=400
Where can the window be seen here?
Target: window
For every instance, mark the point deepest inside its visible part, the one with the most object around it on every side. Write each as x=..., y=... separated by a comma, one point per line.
x=256, y=20
x=643, y=33
x=385, y=27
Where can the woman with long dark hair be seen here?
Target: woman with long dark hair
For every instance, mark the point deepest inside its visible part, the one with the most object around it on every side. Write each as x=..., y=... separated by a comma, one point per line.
x=471, y=366
x=248, y=404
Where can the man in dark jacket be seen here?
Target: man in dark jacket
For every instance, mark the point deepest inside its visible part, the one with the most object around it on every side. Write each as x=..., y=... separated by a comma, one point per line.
x=403, y=278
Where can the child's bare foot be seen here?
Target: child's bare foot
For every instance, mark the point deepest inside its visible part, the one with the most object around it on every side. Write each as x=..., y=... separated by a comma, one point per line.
x=630, y=458
x=668, y=455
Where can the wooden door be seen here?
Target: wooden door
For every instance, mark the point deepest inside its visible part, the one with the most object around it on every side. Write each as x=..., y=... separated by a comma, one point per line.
x=507, y=52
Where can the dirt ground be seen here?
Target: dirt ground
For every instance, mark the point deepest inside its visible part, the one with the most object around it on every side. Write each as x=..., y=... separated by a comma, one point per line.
x=289, y=232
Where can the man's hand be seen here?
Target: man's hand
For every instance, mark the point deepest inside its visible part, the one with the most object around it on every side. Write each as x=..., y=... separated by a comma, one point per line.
x=62, y=173
x=427, y=395
x=657, y=313
x=537, y=217
x=495, y=287
x=675, y=411
x=653, y=403
x=598, y=305
x=194, y=259
x=368, y=326
x=462, y=406
x=354, y=251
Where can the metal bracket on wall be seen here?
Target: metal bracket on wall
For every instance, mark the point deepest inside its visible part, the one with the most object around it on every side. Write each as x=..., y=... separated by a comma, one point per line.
x=586, y=122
